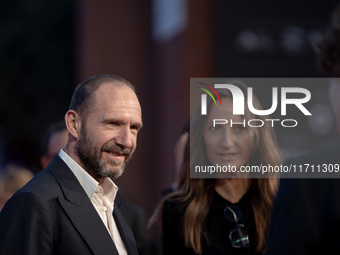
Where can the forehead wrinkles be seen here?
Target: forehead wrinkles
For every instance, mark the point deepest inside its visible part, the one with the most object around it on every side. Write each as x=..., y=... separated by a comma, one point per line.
x=117, y=95
x=116, y=101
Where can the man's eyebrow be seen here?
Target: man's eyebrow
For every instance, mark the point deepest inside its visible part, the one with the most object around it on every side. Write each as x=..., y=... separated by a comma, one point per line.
x=139, y=124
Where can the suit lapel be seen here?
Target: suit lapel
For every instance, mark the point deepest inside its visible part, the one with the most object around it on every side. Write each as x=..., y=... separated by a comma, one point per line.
x=125, y=231
x=80, y=210
x=90, y=226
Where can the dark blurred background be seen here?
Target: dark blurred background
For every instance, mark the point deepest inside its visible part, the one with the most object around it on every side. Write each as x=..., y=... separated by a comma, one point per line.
x=48, y=47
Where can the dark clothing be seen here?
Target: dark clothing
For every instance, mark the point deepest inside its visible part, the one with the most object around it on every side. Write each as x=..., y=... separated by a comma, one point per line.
x=217, y=228
x=306, y=217
x=53, y=215
x=135, y=217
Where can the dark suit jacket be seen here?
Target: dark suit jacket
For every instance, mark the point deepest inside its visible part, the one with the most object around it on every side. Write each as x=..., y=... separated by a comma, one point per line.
x=135, y=217
x=306, y=218
x=53, y=215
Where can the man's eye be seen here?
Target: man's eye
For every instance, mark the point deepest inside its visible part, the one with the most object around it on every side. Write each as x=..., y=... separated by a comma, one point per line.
x=135, y=128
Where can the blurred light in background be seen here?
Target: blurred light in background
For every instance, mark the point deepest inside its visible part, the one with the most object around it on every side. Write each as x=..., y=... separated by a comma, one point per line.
x=293, y=40
x=254, y=41
x=169, y=19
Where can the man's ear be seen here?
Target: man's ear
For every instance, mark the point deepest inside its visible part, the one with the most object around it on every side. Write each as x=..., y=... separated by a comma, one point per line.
x=73, y=123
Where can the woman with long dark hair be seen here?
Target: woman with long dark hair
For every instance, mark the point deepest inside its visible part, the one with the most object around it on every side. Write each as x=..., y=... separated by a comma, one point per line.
x=226, y=214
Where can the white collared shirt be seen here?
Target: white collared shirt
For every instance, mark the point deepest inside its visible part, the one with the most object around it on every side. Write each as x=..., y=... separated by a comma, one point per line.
x=101, y=196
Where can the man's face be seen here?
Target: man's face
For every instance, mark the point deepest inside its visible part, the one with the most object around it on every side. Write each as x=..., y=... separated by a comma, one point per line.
x=108, y=136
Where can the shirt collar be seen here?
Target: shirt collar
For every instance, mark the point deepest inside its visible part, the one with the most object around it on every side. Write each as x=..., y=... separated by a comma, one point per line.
x=88, y=183
x=108, y=189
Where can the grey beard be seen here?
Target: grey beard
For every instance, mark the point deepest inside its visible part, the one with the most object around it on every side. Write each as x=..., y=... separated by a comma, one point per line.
x=91, y=159
x=105, y=172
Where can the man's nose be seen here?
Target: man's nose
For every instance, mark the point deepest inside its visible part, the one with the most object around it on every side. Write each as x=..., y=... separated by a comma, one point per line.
x=124, y=137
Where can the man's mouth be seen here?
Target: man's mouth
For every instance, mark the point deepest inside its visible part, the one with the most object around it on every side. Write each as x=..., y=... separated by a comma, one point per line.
x=116, y=154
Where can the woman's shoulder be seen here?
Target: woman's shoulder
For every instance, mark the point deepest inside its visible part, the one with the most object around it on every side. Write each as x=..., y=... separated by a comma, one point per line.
x=174, y=207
